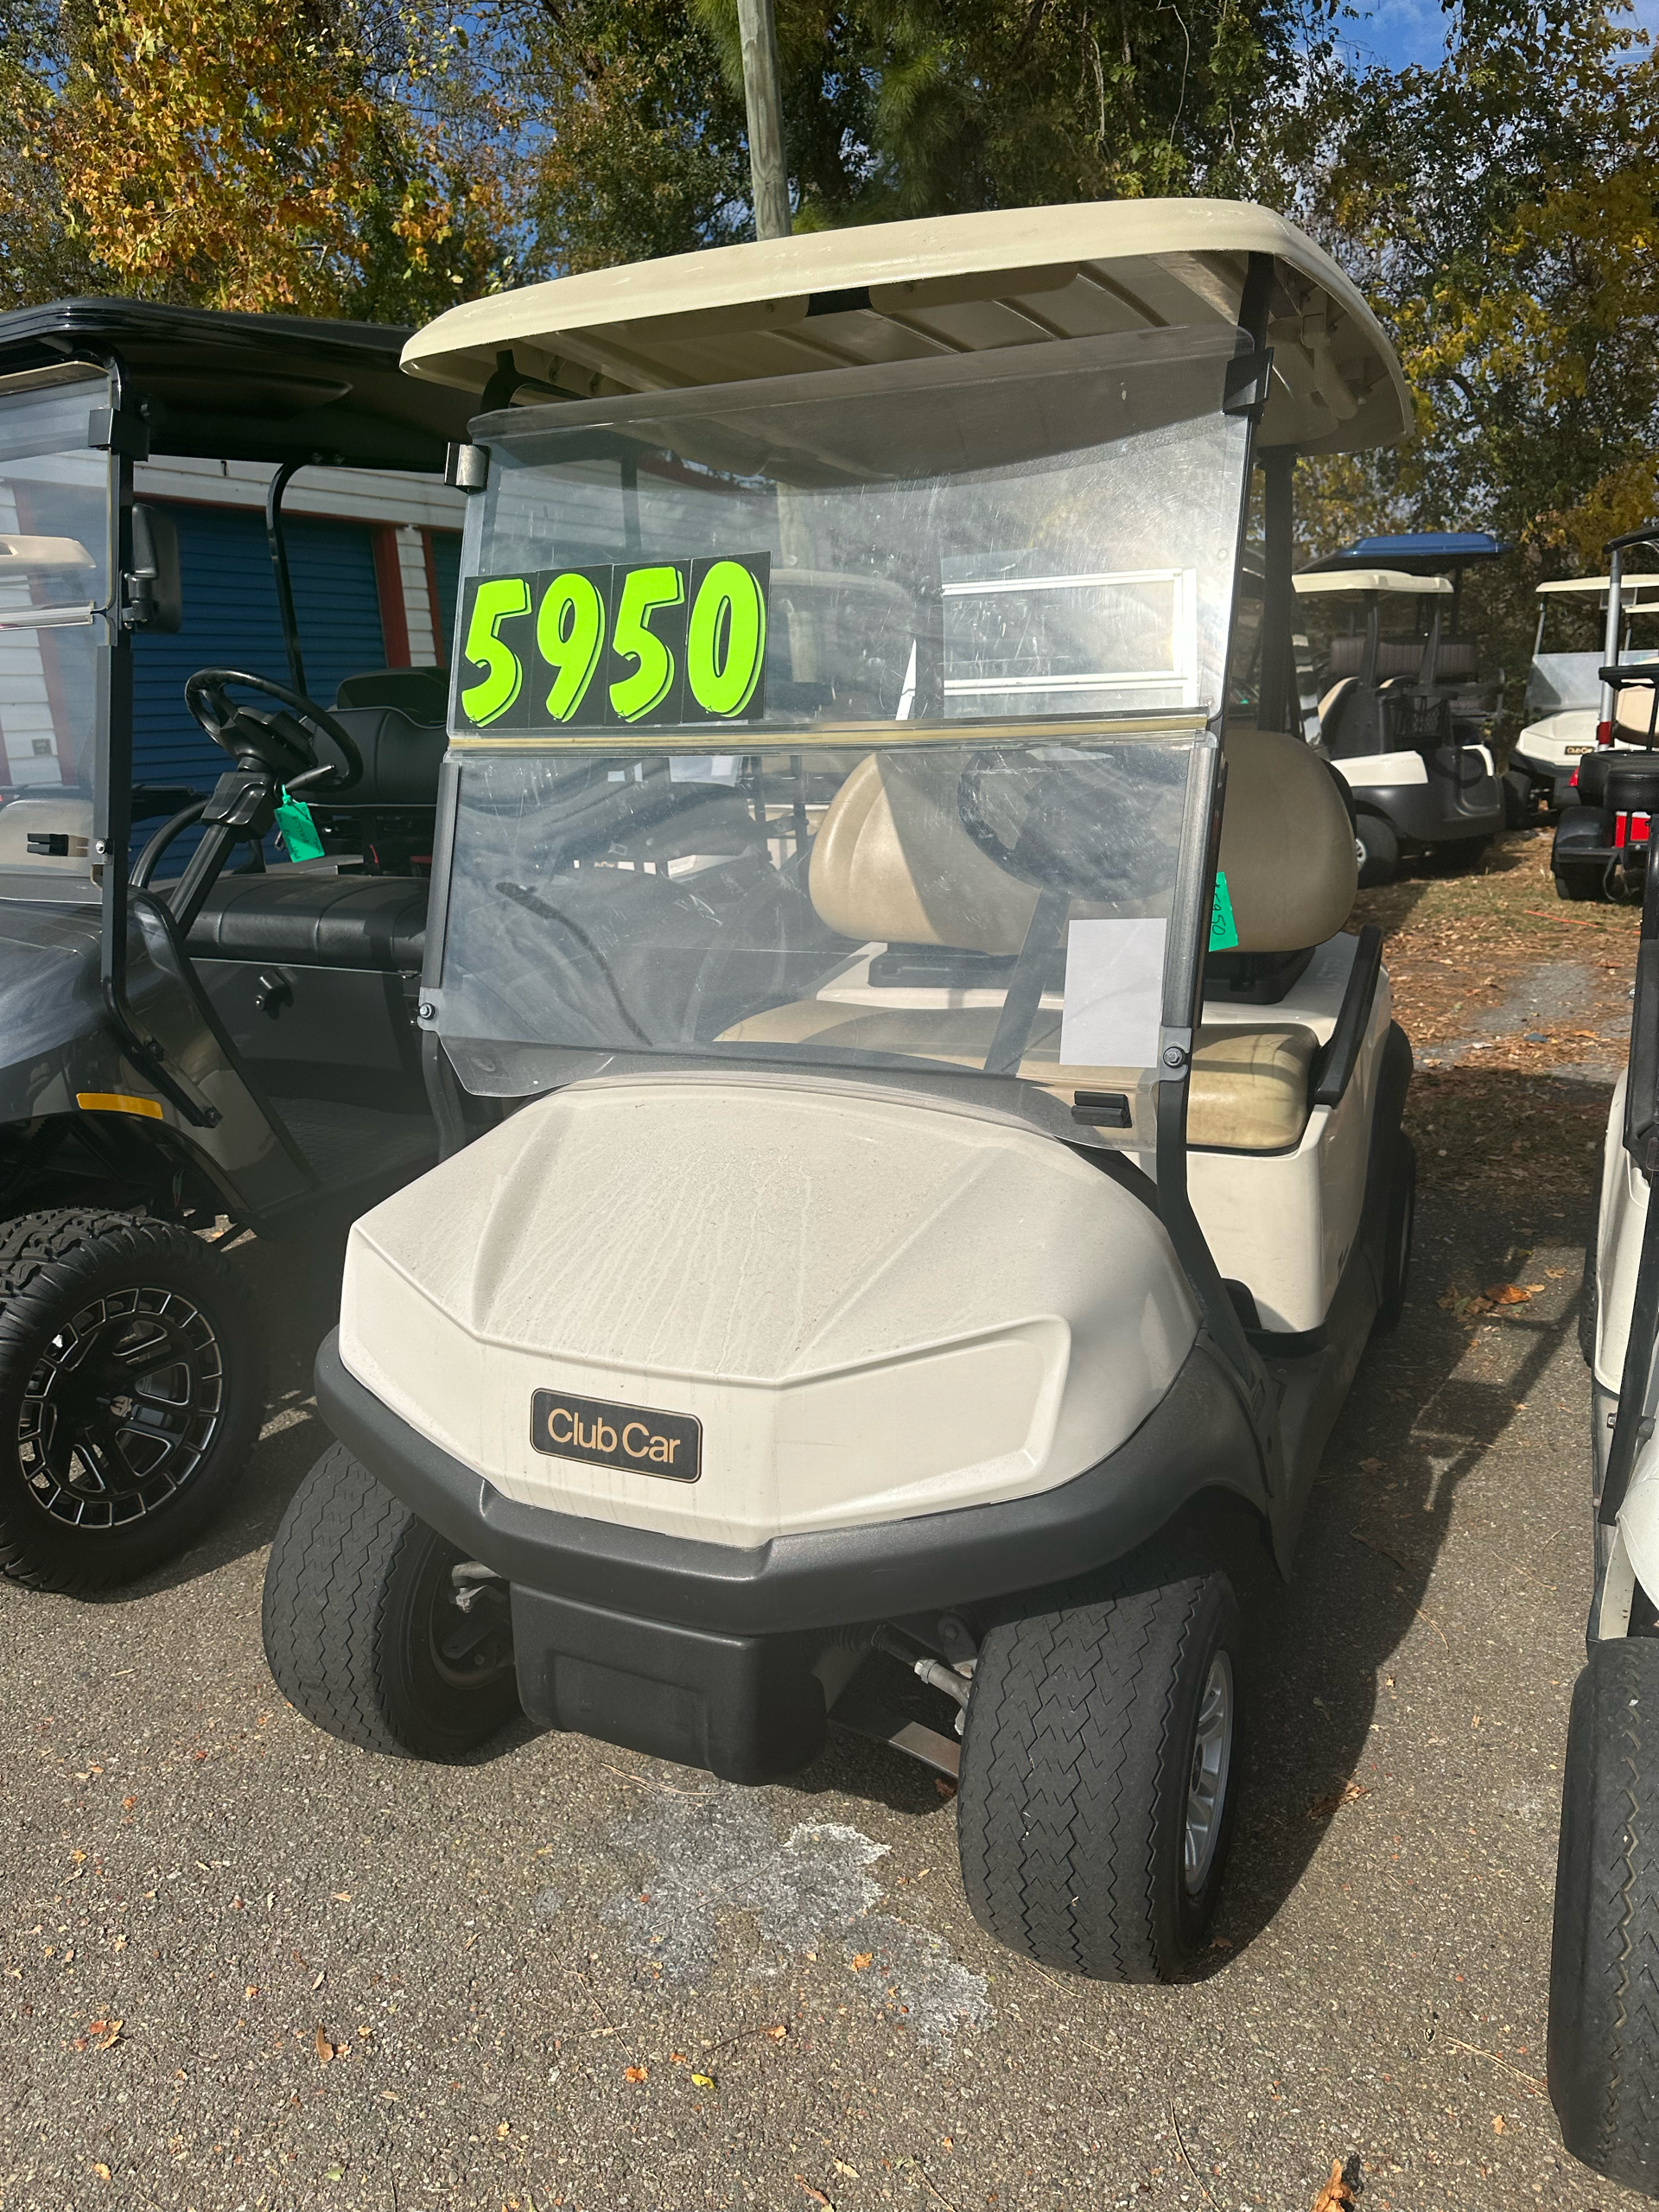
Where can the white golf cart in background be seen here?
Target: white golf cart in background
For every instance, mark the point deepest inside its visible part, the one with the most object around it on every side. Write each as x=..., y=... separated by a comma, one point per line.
x=1564, y=688
x=1423, y=781
x=949, y=1160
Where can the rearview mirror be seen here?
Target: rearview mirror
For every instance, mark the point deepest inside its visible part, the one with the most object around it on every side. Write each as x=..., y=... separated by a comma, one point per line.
x=156, y=586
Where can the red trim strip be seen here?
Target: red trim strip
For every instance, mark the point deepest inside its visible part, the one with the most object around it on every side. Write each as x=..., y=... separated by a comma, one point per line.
x=389, y=581
x=441, y=644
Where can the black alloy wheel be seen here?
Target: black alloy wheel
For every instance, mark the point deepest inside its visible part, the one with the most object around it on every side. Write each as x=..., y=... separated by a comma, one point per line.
x=131, y=1387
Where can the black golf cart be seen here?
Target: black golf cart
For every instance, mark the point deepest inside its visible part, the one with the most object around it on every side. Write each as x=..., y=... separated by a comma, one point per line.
x=1404, y=710
x=181, y=1040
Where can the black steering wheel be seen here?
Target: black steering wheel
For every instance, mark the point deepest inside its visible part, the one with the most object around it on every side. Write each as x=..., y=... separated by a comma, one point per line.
x=284, y=743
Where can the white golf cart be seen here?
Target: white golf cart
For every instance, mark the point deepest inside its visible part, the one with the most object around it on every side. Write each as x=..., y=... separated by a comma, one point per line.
x=1564, y=689
x=1604, y=1982
x=1420, y=783
x=949, y=1161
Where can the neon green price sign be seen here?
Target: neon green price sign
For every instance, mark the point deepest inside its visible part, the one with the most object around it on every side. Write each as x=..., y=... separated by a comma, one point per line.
x=641, y=644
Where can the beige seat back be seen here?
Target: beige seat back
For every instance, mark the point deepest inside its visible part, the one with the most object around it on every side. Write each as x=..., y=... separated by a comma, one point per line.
x=1287, y=844
x=892, y=862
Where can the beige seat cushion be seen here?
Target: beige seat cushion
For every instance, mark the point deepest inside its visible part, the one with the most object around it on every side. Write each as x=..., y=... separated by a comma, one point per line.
x=1287, y=844
x=1249, y=1089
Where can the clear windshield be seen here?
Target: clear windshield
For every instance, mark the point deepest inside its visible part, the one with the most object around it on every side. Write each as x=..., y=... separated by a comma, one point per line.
x=844, y=719
x=55, y=508
x=990, y=907
x=1042, y=530
x=1566, y=665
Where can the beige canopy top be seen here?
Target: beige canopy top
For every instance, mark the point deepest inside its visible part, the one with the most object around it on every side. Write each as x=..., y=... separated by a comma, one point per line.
x=950, y=284
x=1632, y=587
x=1379, y=580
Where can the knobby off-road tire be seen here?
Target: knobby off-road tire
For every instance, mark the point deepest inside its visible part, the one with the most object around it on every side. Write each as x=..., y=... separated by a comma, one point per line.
x=132, y=1384
x=364, y=1632
x=1078, y=1774
x=1604, y=1968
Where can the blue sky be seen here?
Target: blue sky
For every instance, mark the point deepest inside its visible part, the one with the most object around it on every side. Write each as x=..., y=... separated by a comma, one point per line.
x=1396, y=32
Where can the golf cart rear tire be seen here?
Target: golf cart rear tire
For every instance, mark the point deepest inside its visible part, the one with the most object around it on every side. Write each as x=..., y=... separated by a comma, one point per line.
x=1379, y=851
x=64, y=1278
x=1581, y=883
x=1077, y=1761
x=1402, y=1220
x=1604, y=1968
x=359, y=1591
x=1520, y=809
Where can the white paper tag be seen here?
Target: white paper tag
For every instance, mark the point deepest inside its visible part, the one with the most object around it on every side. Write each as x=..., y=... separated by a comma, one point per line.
x=1113, y=994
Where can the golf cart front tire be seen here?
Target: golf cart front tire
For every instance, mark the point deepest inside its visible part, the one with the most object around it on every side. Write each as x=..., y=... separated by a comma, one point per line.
x=132, y=1390
x=1604, y=1968
x=370, y=1633
x=1099, y=1777
x=1376, y=849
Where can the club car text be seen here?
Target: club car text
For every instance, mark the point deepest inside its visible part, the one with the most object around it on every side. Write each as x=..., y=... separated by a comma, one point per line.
x=642, y=1440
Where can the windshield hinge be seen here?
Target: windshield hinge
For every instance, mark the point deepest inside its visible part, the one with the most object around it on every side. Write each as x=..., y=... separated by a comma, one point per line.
x=1174, y=1054
x=466, y=467
x=1245, y=391
x=120, y=430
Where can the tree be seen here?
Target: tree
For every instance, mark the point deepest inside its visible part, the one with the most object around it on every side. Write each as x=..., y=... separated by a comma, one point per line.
x=1499, y=210
x=251, y=154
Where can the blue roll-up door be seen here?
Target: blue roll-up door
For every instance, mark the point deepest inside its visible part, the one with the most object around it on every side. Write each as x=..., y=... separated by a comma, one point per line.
x=445, y=574
x=231, y=621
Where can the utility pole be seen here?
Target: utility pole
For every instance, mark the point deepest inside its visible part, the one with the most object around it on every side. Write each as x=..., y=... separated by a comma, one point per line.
x=769, y=178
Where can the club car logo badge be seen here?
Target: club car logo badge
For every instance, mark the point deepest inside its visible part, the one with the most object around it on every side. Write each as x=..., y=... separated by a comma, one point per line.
x=638, y=1439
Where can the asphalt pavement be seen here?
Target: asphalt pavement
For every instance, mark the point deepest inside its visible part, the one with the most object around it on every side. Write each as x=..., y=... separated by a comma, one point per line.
x=246, y=1967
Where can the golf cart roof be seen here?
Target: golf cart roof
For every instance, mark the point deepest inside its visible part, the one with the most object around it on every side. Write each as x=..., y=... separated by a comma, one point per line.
x=1313, y=583
x=1646, y=588
x=1420, y=552
x=947, y=284
x=251, y=387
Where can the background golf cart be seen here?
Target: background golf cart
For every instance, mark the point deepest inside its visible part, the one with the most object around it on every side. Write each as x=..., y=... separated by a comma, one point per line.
x=790, y=1170
x=179, y=1043
x=1564, y=689
x=1602, y=844
x=1397, y=716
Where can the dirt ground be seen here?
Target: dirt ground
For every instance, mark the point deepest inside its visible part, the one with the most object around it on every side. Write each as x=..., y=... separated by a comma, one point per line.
x=247, y=1969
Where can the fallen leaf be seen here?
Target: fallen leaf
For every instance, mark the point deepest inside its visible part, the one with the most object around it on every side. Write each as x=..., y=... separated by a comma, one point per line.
x=678, y=2058
x=636, y=2073
x=503, y=2128
x=841, y=2167
x=703, y=2081
x=103, y=2172
x=861, y=1960
x=1498, y=2127
x=325, y=2046
x=109, y=2038
x=341, y=1897
x=127, y=1805
x=252, y=1990
x=1509, y=1293
x=1371, y=1467
x=777, y=2033
x=817, y=2195
x=1336, y=2196
x=945, y=1788
x=1322, y=1807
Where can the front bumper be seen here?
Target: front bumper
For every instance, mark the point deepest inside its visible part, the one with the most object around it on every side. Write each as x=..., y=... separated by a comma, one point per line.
x=704, y=1654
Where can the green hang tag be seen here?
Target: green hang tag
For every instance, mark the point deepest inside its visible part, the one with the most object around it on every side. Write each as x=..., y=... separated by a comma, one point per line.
x=300, y=831
x=1223, y=930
